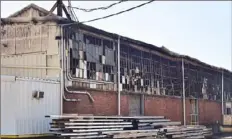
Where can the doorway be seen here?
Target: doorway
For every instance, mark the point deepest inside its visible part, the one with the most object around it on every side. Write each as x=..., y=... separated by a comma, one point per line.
x=194, y=114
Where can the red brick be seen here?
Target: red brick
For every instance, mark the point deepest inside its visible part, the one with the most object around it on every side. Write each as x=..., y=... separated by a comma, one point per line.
x=106, y=104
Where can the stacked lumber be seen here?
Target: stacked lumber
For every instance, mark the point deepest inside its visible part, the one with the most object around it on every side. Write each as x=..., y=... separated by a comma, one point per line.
x=155, y=123
x=187, y=132
x=120, y=127
x=75, y=126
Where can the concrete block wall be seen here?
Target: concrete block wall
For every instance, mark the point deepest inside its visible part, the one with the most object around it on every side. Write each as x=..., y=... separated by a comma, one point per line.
x=30, y=50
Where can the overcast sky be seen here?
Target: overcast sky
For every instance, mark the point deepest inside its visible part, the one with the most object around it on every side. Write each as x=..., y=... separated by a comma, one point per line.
x=200, y=29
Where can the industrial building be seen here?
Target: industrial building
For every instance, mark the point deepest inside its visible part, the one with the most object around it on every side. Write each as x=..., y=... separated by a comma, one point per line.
x=51, y=65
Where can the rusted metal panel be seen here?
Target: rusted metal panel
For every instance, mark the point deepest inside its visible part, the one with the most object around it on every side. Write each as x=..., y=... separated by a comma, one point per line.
x=135, y=105
x=21, y=113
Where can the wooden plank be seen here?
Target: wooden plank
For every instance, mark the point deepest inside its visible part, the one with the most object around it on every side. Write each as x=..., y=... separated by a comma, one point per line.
x=97, y=130
x=96, y=120
x=88, y=137
x=186, y=135
x=154, y=120
x=195, y=137
x=122, y=123
x=87, y=127
x=133, y=135
x=128, y=131
x=77, y=134
x=103, y=117
x=166, y=123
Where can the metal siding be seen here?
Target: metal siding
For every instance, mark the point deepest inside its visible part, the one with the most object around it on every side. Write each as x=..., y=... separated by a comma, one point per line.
x=110, y=57
x=91, y=53
x=29, y=112
x=8, y=126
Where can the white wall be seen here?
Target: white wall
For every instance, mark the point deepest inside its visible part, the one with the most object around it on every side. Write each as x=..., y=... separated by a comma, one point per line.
x=21, y=113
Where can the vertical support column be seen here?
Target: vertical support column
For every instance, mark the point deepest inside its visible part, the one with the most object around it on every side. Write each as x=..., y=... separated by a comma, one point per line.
x=119, y=92
x=222, y=93
x=183, y=79
x=59, y=8
x=62, y=70
x=142, y=101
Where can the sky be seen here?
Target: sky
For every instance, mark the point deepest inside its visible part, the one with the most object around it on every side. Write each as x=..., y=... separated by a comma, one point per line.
x=199, y=29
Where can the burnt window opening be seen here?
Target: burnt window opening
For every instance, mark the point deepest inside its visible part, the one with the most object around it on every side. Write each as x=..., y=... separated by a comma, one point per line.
x=108, y=44
x=92, y=40
x=98, y=41
x=74, y=63
x=155, y=58
x=146, y=55
x=228, y=111
x=135, y=52
x=124, y=48
x=91, y=70
x=108, y=69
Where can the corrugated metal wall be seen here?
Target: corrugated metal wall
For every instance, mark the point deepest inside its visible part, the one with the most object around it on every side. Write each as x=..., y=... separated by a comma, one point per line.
x=21, y=113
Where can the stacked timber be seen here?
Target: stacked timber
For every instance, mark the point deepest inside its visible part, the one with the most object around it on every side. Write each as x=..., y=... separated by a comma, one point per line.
x=187, y=132
x=81, y=127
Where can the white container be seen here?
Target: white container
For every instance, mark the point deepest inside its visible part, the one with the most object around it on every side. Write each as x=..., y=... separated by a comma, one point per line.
x=21, y=114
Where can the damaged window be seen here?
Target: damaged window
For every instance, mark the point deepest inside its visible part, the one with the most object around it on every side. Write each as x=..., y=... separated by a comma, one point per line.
x=108, y=44
x=91, y=70
x=88, y=39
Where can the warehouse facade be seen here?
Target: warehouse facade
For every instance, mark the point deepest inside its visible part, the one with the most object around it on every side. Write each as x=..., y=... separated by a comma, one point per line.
x=151, y=78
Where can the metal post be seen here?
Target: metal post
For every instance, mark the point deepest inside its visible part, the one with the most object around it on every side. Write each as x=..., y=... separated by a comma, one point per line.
x=0, y=69
x=59, y=7
x=184, y=112
x=119, y=93
x=62, y=70
x=222, y=93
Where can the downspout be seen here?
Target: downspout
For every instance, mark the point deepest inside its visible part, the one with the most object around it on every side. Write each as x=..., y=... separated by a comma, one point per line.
x=62, y=81
x=79, y=92
x=183, y=79
x=64, y=72
x=66, y=56
x=119, y=92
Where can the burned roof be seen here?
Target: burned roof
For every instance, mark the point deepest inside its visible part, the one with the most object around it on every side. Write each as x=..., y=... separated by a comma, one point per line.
x=162, y=49
x=60, y=20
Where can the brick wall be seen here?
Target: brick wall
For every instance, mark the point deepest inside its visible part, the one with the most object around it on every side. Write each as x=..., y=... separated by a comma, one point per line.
x=209, y=112
x=106, y=104
x=164, y=106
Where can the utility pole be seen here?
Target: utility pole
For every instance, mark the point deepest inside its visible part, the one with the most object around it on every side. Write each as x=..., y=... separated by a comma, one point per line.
x=60, y=7
x=119, y=92
x=222, y=93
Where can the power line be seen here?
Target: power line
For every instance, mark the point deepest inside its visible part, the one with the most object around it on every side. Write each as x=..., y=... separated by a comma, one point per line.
x=118, y=12
x=99, y=8
x=72, y=13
